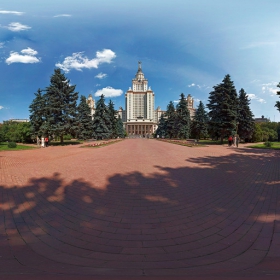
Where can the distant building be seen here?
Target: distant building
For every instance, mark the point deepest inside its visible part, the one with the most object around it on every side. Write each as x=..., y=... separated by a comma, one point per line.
x=140, y=116
x=262, y=120
x=17, y=120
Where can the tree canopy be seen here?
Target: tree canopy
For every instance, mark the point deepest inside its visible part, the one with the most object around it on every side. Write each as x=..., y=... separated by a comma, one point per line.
x=223, y=106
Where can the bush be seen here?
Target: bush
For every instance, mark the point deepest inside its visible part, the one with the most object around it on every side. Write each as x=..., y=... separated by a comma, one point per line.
x=268, y=144
x=12, y=145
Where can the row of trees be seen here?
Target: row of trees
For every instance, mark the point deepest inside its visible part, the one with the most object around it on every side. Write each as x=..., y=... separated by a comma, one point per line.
x=54, y=112
x=228, y=114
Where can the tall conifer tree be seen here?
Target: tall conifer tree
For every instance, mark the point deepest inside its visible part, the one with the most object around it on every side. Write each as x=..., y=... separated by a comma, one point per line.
x=200, y=122
x=223, y=105
x=84, y=119
x=277, y=105
x=37, y=114
x=119, y=128
x=245, y=116
x=161, y=130
x=61, y=106
x=101, y=120
x=170, y=120
x=113, y=120
x=183, y=120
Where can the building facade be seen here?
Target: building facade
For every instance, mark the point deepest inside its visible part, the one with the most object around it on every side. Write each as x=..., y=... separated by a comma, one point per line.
x=140, y=116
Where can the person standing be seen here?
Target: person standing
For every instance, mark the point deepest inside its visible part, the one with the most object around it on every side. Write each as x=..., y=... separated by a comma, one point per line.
x=234, y=140
x=43, y=142
x=230, y=141
x=237, y=140
x=46, y=141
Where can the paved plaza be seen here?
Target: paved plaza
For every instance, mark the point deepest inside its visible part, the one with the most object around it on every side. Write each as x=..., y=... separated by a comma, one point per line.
x=140, y=208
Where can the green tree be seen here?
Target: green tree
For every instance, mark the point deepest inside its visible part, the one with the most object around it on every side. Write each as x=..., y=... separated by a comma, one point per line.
x=170, y=120
x=161, y=129
x=200, y=122
x=257, y=133
x=113, y=120
x=37, y=114
x=223, y=105
x=101, y=120
x=245, y=116
x=16, y=132
x=277, y=105
x=85, y=123
x=183, y=120
x=119, y=128
x=61, y=106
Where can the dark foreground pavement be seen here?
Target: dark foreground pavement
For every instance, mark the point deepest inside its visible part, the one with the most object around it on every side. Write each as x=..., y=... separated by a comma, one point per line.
x=140, y=208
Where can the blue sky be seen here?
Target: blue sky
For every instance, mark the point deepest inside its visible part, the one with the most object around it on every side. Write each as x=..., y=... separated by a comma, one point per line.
x=185, y=46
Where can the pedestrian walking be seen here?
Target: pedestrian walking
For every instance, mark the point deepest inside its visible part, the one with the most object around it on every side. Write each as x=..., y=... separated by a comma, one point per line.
x=234, y=141
x=38, y=141
x=46, y=141
x=43, y=142
x=230, y=141
x=237, y=140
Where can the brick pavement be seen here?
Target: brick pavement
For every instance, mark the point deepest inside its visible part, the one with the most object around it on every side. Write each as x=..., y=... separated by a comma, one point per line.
x=140, y=208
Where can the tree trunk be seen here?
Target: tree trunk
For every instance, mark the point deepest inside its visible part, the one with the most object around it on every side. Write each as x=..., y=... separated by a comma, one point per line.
x=61, y=138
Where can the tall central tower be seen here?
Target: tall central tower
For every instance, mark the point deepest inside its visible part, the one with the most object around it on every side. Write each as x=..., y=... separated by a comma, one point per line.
x=139, y=103
x=140, y=99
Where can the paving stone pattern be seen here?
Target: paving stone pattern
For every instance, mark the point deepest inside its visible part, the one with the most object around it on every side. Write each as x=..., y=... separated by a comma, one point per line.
x=140, y=208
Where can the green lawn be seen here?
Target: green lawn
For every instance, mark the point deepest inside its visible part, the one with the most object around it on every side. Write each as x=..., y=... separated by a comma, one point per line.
x=275, y=146
x=4, y=147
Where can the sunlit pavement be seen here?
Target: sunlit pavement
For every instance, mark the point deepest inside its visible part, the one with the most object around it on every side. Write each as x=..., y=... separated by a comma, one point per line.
x=140, y=208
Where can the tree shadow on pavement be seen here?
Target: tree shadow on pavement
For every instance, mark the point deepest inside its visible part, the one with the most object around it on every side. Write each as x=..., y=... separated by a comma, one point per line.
x=220, y=214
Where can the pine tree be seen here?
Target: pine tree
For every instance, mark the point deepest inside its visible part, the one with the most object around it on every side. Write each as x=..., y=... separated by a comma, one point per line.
x=37, y=114
x=84, y=120
x=245, y=116
x=277, y=105
x=113, y=119
x=161, y=129
x=200, y=122
x=119, y=128
x=101, y=120
x=170, y=120
x=182, y=120
x=223, y=105
x=61, y=106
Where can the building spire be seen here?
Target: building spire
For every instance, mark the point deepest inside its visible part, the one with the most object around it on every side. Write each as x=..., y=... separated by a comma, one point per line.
x=139, y=65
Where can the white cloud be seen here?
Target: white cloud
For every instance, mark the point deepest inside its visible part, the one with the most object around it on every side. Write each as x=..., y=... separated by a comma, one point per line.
x=1, y=45
x=252, y=96
x=11, y=12
x=16, y=27
x=101, y=75
x=192, y=85
x=109, y=92
x=63, y=15
x=1, y=107
x=196, y=99
x=270, y=88
x=27, y=57
x=29, y=51
x=78, y=61
x=176, y=101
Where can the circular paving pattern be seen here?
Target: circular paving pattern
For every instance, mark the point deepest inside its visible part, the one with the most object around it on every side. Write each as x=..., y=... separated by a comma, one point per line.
x=140, y=208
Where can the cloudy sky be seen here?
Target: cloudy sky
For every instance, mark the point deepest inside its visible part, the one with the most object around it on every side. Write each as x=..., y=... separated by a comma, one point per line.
x=184, y=45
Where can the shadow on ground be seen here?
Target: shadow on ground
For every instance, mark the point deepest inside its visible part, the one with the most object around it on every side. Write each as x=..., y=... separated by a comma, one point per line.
x=221, y=215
